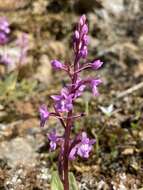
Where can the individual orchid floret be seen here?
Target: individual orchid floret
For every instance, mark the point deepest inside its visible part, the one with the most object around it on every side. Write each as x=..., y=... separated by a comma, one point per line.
x=85, y=146
x=73, y=153
x=57, y=65
x=44, y=115
x=96, y=64
x=83, y=52
x=63, y=102
x=79, y=91
x=79, y=88
x=94, y=84
x=82, y=20
x=53, y=140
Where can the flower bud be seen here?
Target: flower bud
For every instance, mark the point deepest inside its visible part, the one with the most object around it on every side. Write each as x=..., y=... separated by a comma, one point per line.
x=56, y=64
x=76, y=34
x=84, y=52
x=96, y=64
x=86, y=39
x=82, y=20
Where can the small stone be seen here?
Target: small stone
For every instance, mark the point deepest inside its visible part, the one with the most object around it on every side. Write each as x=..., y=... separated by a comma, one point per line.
x=1, y=107
x=55, y=49
x=19, y=151
x=128, y=151
x=114, y=7
x=140, y=41
x=135, y=166
x=44, y=70
x=11, y=5
x=39, y=7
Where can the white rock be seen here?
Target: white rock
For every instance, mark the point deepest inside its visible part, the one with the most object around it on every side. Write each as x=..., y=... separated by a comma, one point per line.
x=44, y=70
x=114, y=6
x=19, y=151
x=10, y=5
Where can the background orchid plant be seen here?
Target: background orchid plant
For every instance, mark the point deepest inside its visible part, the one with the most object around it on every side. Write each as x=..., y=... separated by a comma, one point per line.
x=13, y=58
x=63, y=104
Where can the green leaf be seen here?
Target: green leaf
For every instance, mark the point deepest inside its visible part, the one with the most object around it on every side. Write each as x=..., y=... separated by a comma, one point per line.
x=8, y=85
x=2, y=88
x=10, y=82
x=56, y=183
x=72, y=181
x=134, y=125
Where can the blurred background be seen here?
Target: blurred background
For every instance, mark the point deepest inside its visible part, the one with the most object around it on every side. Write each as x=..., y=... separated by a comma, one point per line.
x=115, y=118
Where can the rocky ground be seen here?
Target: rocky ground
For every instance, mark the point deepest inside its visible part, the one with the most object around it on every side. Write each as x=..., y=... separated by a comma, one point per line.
x=116, y=37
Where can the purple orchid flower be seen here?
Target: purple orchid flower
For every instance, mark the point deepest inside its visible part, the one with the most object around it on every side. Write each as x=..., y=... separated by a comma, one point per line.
x=73, y=153
x=44, y=115
x=63, y=102
x=83, y=148
x=78, y=88
x=53, y=140
x=94, y=84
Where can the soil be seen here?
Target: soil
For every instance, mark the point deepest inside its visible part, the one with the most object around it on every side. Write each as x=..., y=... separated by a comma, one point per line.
x=116, y=37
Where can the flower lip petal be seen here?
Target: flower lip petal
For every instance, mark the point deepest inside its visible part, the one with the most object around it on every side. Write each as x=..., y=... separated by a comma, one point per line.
x=64, y=92
x=43, y=111
x=52, y=136
x=44, y=115
x=96, y=82
x=72, y=154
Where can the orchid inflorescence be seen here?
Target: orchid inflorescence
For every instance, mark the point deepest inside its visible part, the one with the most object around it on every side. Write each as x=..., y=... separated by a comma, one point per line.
x=22, y=43
x=80, y=145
